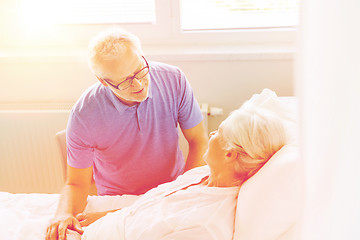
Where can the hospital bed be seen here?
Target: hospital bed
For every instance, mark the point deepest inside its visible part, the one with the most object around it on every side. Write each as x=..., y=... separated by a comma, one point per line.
x=268, y=207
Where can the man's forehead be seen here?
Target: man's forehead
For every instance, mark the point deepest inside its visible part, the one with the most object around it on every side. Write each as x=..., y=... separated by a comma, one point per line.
x=121, y=69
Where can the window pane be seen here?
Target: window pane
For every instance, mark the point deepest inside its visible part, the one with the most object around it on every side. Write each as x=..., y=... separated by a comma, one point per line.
x=238, y=14
x=88, y=11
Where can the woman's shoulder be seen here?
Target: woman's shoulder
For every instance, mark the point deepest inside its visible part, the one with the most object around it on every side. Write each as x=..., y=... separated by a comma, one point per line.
x=190, y=177
x=196, y=172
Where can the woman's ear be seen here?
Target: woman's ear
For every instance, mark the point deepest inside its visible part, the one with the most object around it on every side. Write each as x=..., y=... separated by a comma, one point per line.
x=231, y=155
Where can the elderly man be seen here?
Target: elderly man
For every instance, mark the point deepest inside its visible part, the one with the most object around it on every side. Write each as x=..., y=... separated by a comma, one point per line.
x=123, y=130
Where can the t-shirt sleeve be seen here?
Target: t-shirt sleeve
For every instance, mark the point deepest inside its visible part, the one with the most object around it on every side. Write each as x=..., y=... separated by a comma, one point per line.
x=189, y=113
x=80, y=152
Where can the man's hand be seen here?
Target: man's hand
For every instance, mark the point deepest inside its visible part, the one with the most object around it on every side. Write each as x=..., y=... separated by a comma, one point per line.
x=57, y=229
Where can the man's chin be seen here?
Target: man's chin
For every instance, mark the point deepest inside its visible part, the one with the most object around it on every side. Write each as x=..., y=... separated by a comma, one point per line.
x=141, y=98
x=134, y=99
x=138, y=99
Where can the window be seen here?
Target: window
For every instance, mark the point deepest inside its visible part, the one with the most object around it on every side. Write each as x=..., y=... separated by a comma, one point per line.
x=238, y=14
x=87, y=11
x=73, y=23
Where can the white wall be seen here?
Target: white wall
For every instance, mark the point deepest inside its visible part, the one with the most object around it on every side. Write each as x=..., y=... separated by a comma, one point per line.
x=227, y=84
x=328, y=85
x=215, y=80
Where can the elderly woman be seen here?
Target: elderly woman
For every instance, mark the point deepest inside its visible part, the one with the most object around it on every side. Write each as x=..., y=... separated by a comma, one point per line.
x=203, y=206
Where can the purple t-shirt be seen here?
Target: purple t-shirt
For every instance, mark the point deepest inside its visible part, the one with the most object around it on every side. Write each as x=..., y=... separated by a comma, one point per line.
x=133, y=149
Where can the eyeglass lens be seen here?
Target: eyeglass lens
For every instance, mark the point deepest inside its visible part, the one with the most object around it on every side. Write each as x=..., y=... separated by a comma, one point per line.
x=139, y=76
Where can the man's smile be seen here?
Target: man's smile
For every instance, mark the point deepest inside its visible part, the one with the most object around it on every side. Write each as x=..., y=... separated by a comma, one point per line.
x=139, y=91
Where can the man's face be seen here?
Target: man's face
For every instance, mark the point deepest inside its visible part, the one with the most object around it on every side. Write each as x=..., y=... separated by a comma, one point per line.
x=121, y=69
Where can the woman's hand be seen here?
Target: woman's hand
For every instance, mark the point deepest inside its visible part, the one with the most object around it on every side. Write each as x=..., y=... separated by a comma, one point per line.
x=72, y=235
x=86, y=219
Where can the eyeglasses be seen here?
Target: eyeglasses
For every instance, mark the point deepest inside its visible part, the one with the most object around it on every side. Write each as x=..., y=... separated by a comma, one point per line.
x=129, y=80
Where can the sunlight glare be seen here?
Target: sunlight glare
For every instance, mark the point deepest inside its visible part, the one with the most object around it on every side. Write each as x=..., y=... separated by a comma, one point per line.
x=37, y=15
x=261, y=3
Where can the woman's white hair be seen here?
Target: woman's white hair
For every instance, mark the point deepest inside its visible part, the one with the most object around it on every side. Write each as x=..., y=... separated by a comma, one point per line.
x=256, y=134
x=108, y=45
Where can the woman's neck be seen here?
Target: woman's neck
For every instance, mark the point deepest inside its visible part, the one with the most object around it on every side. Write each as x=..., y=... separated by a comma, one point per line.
x=223, y=179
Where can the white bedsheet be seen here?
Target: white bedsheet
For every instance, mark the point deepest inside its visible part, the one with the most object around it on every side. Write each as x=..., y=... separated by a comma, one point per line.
x=26, y=216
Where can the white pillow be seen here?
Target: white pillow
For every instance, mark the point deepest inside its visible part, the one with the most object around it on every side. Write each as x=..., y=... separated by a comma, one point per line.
x=269, y=203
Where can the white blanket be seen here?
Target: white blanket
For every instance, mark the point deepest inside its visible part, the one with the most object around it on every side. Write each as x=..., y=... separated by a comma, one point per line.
x=26, y=216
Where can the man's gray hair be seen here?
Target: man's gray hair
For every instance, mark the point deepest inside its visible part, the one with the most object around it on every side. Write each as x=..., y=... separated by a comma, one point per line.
x=110, y=44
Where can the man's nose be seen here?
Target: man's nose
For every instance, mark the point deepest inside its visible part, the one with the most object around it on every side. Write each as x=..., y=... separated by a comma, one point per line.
x=137, y=83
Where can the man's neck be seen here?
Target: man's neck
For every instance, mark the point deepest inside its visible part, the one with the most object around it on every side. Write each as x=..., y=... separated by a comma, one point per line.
x=127, y=102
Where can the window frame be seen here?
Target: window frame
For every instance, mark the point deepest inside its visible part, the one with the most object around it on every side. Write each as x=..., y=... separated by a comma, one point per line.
x=166, y=31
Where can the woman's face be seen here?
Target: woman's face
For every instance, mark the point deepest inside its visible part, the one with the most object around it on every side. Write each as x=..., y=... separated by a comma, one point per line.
x=215, y=153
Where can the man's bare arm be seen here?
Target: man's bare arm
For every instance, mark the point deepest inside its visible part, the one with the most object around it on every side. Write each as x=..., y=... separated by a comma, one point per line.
x=72, y=201
x=197, y=138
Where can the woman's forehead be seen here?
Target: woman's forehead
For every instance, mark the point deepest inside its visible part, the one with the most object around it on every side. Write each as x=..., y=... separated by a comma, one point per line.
x=221, y=126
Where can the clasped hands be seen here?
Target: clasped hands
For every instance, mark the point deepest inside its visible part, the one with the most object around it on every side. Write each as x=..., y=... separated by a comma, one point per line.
x=70, y=227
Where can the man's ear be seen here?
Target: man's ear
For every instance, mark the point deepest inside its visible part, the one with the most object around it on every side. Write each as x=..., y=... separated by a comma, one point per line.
x=102, y=81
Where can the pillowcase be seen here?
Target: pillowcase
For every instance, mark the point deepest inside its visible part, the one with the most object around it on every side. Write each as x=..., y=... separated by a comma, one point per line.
x=269, y=203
